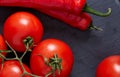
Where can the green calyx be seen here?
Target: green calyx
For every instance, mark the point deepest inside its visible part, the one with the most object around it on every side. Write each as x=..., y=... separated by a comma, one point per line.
x=55, y=64
x=97, y=13
x=28, y=41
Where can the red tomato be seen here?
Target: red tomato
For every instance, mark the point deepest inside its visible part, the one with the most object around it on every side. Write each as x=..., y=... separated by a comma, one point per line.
x=3, y=46
x=13, y=68
x=109, y=67
x=48, y=48
x=19, y=26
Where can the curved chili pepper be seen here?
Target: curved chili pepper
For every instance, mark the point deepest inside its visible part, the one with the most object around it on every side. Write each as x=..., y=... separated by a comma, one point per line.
x=72, y=6
x=82, y=22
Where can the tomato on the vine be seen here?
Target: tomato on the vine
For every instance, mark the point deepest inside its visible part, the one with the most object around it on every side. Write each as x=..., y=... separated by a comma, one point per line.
x=3, y=46
x=19, y=26
x=52, y=57
x=12, y=68
x=109, y=67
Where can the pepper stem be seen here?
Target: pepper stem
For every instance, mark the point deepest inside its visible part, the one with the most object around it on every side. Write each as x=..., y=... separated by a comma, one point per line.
x=92, y=27
x=97, y=13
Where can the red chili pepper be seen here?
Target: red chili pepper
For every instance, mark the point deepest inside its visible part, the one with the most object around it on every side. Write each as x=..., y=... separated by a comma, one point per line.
x=64, y=10
x=82, y=22
x=72, y=6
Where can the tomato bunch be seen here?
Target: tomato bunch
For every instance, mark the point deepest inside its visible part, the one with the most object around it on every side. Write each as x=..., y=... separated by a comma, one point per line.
x=22, y=33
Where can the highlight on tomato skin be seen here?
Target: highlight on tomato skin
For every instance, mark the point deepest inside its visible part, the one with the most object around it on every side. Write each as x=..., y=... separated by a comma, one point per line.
x=109, y=67
x=21, y=25
x=49, y=54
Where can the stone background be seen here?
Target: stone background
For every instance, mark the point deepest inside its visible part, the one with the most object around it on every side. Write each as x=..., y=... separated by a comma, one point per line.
x=89, y=47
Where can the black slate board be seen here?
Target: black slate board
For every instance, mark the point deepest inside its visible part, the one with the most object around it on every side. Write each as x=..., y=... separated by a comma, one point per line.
x=89, y=47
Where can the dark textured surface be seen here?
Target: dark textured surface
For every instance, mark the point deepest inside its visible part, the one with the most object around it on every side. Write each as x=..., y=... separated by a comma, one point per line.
x=89, y=47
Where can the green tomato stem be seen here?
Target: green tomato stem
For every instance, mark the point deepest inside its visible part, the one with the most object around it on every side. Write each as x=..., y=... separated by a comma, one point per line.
x=19, y=59
x=12, y=50
x=24, y=54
